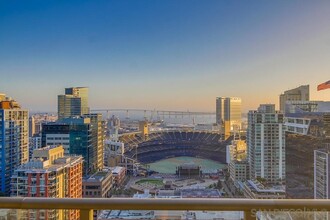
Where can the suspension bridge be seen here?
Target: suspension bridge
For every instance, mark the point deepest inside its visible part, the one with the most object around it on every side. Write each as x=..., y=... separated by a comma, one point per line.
x=152, y=114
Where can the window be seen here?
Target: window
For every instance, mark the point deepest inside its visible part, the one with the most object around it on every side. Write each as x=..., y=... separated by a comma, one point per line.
x=92, y=187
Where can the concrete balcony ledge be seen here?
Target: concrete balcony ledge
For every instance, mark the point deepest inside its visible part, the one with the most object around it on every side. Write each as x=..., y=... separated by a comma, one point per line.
x=87, y=205
x=163, y=204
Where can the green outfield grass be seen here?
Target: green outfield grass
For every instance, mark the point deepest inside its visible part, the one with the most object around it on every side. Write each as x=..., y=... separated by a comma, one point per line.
x=151, y=181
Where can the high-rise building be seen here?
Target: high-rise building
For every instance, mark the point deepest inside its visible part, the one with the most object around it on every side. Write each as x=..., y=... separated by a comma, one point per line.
x=81, y=92
x=78, y=135
x=98, y=127
x=229, y=113
x=113, y=128
x=238, y=166
x=34, y=143
x=326, y=124
x=300, y=93
x=14, y=139
x=322, y=178
x=266, y=144
x=49, y=174
x=36, y=122
x=32, y=126
x=68, y=106
x=321, y=174
x=73, y=103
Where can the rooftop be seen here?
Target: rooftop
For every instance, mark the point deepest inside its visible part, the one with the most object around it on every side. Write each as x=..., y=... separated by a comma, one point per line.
x=97, y=177
x=189, y=193
x=116, y=170
x=200, y=193
x=39, y=166
x=126, y=214
x=8, y=102
x=258, y=187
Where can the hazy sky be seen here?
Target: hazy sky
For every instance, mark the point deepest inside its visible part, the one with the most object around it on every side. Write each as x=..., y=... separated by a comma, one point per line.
x=164, y=54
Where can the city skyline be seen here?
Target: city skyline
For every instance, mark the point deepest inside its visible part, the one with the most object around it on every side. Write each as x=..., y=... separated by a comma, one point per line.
x=165, y=55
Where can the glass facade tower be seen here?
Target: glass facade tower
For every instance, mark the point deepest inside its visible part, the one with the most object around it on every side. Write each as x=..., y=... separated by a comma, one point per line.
x=75, y=134
x=73, y=103
x=228, y=109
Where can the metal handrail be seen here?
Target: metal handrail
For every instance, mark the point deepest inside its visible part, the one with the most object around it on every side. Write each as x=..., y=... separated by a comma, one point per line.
x=87, y=205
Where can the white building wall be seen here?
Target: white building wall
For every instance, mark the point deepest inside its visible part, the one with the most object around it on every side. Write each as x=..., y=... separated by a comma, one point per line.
x=59, y=139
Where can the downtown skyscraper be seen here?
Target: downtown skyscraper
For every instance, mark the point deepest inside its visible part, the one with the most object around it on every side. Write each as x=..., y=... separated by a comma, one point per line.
x=266, y=144
x=79, y=131
x=14, y=139
x=73, y=103
x=98, y=128
x=229, y=114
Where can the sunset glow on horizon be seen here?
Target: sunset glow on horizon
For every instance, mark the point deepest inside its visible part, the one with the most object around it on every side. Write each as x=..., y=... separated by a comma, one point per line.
x=168, y=55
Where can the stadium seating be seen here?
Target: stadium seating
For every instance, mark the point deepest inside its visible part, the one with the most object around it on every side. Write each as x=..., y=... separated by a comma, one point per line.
x=160, y=145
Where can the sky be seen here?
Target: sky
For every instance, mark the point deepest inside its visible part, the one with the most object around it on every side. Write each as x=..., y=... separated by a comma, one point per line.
x=165, y=54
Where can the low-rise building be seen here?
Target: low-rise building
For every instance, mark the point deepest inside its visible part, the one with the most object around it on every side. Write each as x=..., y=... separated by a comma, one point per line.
x=173, y=215
x=253, y=189
x=189, y=193
x=129, y=214
x=200, y=193
x=126, y=214
x=118, y=173
x=98, y=185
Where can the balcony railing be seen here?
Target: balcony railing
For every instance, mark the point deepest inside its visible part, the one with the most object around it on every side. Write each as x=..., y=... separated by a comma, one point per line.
x=87, y=205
